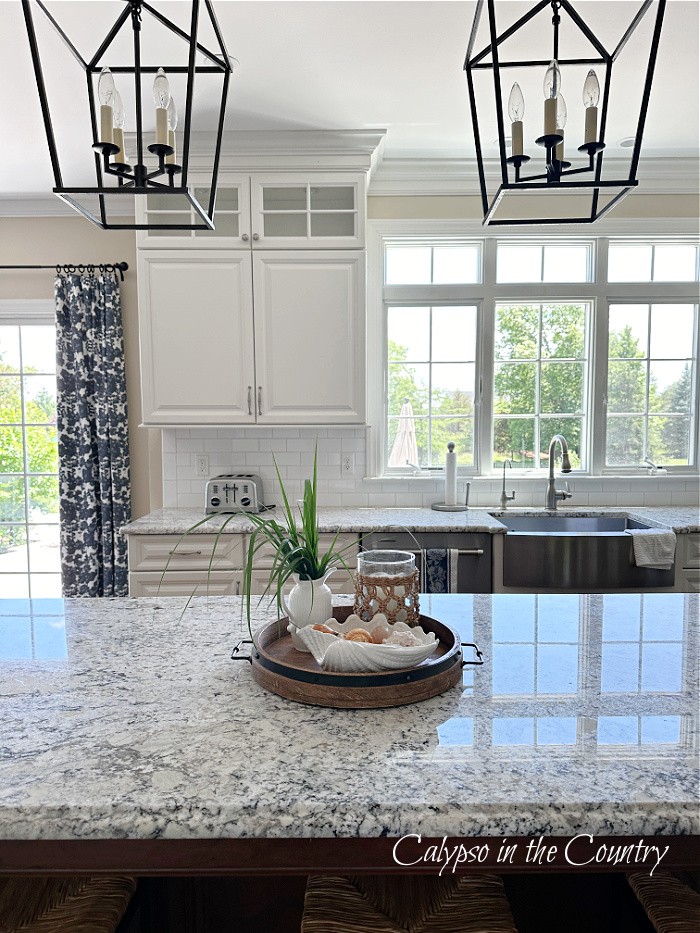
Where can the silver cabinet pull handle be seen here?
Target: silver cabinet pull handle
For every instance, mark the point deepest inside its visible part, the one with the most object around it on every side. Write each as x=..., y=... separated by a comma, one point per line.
x=260, y=400
x=245, y=237
x=250, y=400
x=185, y=553
x=471, y=552
x=256, y=236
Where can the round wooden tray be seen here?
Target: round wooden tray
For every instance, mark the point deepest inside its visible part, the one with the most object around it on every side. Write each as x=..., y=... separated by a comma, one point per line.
x=295, y=675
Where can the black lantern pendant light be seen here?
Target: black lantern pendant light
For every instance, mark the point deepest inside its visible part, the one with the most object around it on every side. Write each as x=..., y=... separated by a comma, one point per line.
x=158, y=168
x=557, y=177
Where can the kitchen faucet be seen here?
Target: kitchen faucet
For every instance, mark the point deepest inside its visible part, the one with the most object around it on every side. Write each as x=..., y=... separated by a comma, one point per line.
x=414, y=466
x=554, y=495
x=505, y=499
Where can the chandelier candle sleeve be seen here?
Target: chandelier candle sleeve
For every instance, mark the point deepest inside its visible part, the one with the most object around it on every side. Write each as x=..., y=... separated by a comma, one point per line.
x=591, y=96
x=516, y=111
x=161, y=96
x=106, y=92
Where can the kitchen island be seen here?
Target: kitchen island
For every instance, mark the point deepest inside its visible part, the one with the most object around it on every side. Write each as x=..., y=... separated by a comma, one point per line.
x=133, y=742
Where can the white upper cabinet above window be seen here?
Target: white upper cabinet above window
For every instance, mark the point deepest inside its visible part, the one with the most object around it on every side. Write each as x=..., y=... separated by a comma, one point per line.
x=268, y=211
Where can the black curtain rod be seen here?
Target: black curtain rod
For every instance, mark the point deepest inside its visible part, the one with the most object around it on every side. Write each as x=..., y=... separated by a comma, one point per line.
x=120, y=267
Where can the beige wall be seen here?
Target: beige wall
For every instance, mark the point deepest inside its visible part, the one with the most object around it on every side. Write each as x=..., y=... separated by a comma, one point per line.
x=454, y=207
x=50, y=240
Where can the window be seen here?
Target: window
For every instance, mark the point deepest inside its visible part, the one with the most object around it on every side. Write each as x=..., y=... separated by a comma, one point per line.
x=653, y=262
x=539, y=381
x=651, y=373
x=432, y=365
x=29, y=531
x=497, y=344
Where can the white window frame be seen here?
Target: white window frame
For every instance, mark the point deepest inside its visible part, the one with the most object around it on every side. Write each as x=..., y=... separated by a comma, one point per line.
x=24, y=312
x=599, y=293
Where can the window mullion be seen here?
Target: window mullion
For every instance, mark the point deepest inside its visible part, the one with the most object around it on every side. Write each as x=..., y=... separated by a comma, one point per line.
x=598, y=363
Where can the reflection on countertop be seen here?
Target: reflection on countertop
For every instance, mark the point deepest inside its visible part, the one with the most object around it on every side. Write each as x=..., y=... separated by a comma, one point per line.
x=128, y=718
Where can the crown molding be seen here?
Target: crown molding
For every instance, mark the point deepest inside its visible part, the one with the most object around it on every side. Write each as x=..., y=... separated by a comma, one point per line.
x=450, y=176
x=631, y=227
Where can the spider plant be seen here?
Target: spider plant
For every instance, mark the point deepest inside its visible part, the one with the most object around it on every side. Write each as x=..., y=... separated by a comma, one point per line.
x=296, y=550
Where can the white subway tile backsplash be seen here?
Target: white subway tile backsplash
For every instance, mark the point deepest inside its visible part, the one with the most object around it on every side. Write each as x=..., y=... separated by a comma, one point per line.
x=252, y=448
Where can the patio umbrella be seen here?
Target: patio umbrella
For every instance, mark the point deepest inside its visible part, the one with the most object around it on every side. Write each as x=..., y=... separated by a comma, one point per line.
x=404, y=449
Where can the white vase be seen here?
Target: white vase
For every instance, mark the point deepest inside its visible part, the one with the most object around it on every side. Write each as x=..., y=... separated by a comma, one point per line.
x=309, y=603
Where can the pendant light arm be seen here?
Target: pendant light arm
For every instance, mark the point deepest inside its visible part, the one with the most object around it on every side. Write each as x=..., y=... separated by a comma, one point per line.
x=646, y=94
x=190, y=90
x=111, y=35
x=183, y=35
x=219, y=35
x=41, y=88
x=633, y=25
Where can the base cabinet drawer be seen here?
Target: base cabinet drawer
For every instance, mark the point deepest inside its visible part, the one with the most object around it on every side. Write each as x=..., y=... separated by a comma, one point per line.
x=192, y=552
x=186, y=583
x=346, y=543
x=688, y=581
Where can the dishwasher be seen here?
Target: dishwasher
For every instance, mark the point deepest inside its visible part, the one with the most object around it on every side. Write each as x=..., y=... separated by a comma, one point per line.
x=474, y=553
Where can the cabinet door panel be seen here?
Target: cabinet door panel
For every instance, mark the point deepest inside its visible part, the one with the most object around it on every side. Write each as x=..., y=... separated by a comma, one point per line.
x=195, y=319
x=309, y=337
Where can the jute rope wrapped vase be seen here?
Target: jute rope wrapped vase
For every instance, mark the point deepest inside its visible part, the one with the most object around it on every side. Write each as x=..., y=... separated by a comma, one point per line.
x=387, y=582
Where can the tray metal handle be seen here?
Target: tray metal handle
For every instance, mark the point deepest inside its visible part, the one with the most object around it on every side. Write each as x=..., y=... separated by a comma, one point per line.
x=237, y=656
x=477, y=652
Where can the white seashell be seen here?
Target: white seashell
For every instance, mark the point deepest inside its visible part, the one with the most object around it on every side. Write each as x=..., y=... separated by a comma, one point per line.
x=339, y=655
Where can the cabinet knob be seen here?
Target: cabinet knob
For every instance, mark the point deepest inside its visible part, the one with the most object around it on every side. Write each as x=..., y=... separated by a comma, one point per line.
x=244, y=236
x=256, y=236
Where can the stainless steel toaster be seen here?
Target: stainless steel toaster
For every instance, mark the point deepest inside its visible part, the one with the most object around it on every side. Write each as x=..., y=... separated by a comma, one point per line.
x=234, y=492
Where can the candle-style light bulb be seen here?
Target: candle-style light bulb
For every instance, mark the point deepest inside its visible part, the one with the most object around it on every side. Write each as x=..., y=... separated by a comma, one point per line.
x=119, y=118
x=161, y=96
x=552, y=81
x=172, y=126
x=105, y=92
x=591, y=96
x=106, y=88
x=591, y=90
x=516, y=111
x=551, y=87
x=561, y=123
x=161, y=89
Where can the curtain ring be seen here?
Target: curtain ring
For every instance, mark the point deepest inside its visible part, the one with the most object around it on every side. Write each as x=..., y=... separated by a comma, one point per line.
x=58, y=269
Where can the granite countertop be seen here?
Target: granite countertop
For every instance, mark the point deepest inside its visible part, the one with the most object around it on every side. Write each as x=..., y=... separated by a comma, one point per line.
x=124, y=718
x=682, y=519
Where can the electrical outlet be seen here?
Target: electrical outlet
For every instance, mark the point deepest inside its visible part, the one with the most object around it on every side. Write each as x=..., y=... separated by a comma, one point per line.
x=201, y=465
x=347, y=464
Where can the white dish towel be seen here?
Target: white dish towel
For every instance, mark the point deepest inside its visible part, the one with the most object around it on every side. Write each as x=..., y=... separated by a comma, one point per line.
x=653, y=548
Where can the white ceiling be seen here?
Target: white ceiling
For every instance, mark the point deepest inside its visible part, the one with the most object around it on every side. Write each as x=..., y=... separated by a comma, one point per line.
x=332, y=64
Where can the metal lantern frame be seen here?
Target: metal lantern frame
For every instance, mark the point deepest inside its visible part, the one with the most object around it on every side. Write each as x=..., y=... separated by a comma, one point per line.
x=167, y=178
x=557, y=174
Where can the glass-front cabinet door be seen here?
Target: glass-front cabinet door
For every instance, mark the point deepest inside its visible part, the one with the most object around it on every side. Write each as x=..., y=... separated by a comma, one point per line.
x=294, y=210
x=270, y=211
x=231, y=217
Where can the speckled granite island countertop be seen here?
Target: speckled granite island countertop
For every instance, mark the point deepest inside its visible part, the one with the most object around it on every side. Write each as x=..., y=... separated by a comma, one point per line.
x=682, y=519
x=124, y=719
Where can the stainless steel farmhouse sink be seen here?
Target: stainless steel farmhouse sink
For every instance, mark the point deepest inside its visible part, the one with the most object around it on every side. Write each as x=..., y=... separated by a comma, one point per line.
x=574, y=552
x=569, y=524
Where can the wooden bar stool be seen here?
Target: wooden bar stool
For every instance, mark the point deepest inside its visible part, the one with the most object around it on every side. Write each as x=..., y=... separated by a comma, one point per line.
x=671, y=905
x=64, y=905
x=406, y=904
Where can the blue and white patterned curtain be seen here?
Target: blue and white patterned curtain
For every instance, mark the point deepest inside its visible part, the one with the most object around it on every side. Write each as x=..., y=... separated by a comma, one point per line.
x=93, y=450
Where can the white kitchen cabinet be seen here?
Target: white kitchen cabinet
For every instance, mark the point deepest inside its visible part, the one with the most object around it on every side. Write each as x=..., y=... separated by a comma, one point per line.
x=170, y=565
x=238, y=338
x=173, y=565
x=196, y=337
x=309, y=337
x=293, y=210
